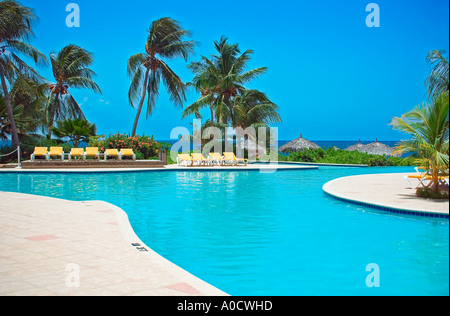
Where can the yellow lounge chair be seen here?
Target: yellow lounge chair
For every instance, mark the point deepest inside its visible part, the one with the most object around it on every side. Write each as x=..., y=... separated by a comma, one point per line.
x=76, y=152
x=184, y=158
x=126, y=152
x=420, y=175
x=56, y=151
x=112, y=153
x=231, y=157
x=40, y=151
x=91, y=152
x=198, y=157
x=424, y=178
x=216, y=157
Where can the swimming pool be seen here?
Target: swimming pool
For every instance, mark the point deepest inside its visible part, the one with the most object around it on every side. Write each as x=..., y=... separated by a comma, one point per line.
x=251, y=233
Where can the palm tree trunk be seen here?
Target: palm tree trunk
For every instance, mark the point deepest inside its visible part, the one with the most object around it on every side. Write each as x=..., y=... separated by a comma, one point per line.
x=50, y=126
x=14, y=133
x=212, y=113
x=435, y=177
x=144, y=93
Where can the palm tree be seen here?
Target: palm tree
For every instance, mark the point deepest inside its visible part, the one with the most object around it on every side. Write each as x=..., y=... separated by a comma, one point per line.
x=438, y=80
x=5, y=122
x=15, y=28
x=165, y=41
x=254, y=108
x=205, y=81
x=32, y=96
x=220, y=79
x=71, y=70
x=428, y=127
x=77, y=130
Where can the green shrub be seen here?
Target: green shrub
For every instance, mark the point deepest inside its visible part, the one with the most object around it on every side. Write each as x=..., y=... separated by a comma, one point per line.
x=431, y=194
x=339, y=156
x=145, y=147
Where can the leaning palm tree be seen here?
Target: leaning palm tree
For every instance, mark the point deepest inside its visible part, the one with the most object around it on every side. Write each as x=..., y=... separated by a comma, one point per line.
x=71, y=70
x=429, y=130
x=166, y=40
x=15, y=29
x=438, y=80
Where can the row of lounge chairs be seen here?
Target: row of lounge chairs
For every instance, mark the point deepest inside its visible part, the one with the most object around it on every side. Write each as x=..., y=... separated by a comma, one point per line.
x=424, y=178
x=228, y=158
x=81, y=153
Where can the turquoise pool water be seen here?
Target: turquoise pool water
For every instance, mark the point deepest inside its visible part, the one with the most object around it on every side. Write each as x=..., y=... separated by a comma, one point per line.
x=251, y=233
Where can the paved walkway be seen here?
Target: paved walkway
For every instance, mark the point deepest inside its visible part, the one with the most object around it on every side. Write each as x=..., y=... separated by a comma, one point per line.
x=385, y=190
x=56, y=247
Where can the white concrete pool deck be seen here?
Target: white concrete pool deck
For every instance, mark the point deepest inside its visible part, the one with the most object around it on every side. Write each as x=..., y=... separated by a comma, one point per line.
x=385, y=190
x=51, y=246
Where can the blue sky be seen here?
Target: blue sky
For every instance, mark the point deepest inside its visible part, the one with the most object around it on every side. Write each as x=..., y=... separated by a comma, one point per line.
x=332, y=76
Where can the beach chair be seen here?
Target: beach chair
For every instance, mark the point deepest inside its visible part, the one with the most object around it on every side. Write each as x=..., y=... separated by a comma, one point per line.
x=40, y=152
x=198, y=157
x=231, y=157
x=441, y=180
x=127, y=152
x=112, y=153
x=184, y=158
x=420, y=175
x=56, y=151
x=76, y=152
x=91, y=152
x=217, y=158
x=424, y=178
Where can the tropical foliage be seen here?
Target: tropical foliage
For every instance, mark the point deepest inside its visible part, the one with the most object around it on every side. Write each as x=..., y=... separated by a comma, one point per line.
x=427, y=126
x=339, y=156
x=71, y=69
x=438, y=80
x=15, y=30
x=76, y=130
x=166, y=40
x=144, y=147
x=221, y=82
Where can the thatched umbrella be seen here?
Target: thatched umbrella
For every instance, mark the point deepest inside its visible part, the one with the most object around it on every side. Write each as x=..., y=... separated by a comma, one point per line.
x=358, y=146
x=298, y=144
x=375, y=148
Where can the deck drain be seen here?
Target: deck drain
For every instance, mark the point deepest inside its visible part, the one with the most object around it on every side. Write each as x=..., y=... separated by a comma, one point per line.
x=139, y=247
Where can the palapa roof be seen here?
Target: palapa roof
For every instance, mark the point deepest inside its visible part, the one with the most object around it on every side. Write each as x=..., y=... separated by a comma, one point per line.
x=375, y=148
x=357, y=146
x=299, y=144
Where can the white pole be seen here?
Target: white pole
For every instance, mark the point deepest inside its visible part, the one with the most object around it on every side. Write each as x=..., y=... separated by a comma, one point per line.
x=18, y=158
